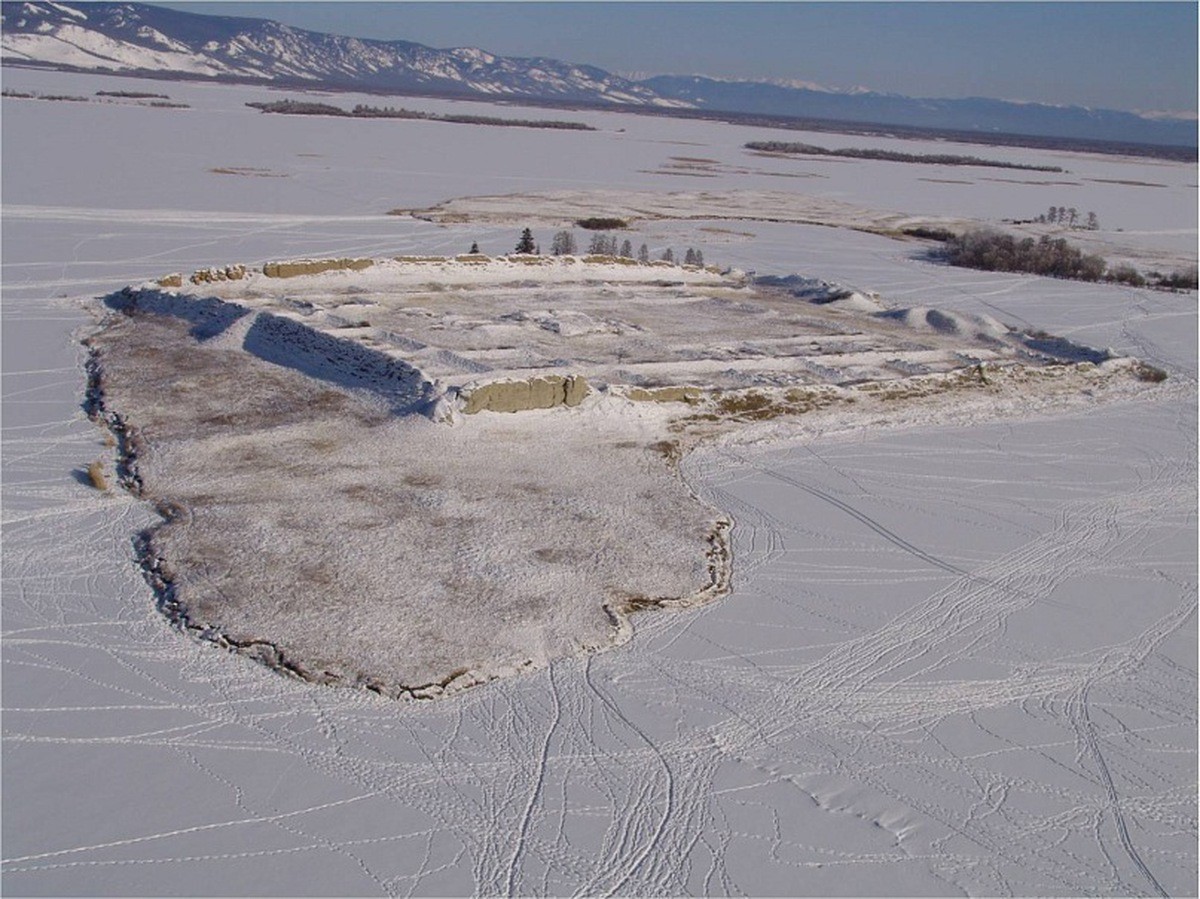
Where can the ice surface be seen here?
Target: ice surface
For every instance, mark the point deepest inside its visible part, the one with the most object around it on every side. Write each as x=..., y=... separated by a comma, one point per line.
x=956, y=659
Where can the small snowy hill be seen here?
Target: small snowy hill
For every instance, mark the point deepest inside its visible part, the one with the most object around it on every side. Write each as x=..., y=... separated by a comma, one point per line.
x=133, y=37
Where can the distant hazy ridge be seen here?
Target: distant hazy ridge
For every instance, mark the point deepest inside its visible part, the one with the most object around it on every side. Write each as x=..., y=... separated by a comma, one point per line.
x=139, y=39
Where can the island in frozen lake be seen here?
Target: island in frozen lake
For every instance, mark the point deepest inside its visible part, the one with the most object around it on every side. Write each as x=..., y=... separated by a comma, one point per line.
x=418, y=474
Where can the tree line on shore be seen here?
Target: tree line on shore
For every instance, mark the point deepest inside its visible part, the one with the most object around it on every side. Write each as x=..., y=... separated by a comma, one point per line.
x=1064, y=216
x=798, y=149
x=994, y=251
x=362, y=111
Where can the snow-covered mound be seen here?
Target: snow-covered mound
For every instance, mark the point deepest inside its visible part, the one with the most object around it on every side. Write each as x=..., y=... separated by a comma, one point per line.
x=569, y=324
x=824, y=293
x=922, y=318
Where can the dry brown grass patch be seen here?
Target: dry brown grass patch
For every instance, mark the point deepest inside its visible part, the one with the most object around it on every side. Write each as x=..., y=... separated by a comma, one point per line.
x=751, y=406
x=423, y=479
x=95, y=473
x=669, y=450
x=1145, y=372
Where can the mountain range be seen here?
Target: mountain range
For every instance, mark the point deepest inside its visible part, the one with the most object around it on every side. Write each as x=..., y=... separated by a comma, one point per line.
x=139, y=39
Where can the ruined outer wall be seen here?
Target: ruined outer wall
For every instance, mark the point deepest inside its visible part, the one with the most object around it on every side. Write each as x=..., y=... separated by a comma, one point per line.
x=543, y=392
x=314, y=267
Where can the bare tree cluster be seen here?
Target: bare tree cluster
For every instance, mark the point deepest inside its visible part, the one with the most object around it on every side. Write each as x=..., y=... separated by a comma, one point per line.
x=603, y=244
x=1069, y=217
x=563, y=244
x=996, y=252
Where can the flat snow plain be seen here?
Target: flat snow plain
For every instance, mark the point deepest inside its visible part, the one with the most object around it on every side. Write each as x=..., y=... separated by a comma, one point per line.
x=957, y=659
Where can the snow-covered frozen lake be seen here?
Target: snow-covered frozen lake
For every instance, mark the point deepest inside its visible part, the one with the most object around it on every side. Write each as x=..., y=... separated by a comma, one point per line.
x=956, y=659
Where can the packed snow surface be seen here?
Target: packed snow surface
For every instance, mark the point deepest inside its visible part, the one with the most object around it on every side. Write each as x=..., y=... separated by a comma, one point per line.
x=959, y=656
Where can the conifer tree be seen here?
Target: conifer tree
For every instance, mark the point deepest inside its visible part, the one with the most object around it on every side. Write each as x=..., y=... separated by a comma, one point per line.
x=526, y=244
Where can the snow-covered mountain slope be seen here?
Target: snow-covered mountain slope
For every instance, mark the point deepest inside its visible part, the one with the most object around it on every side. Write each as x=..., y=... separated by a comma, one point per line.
x=133, y=37
x=140, y=39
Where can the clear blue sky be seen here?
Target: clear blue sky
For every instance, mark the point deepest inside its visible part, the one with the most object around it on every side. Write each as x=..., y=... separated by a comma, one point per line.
x=1121, y=55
